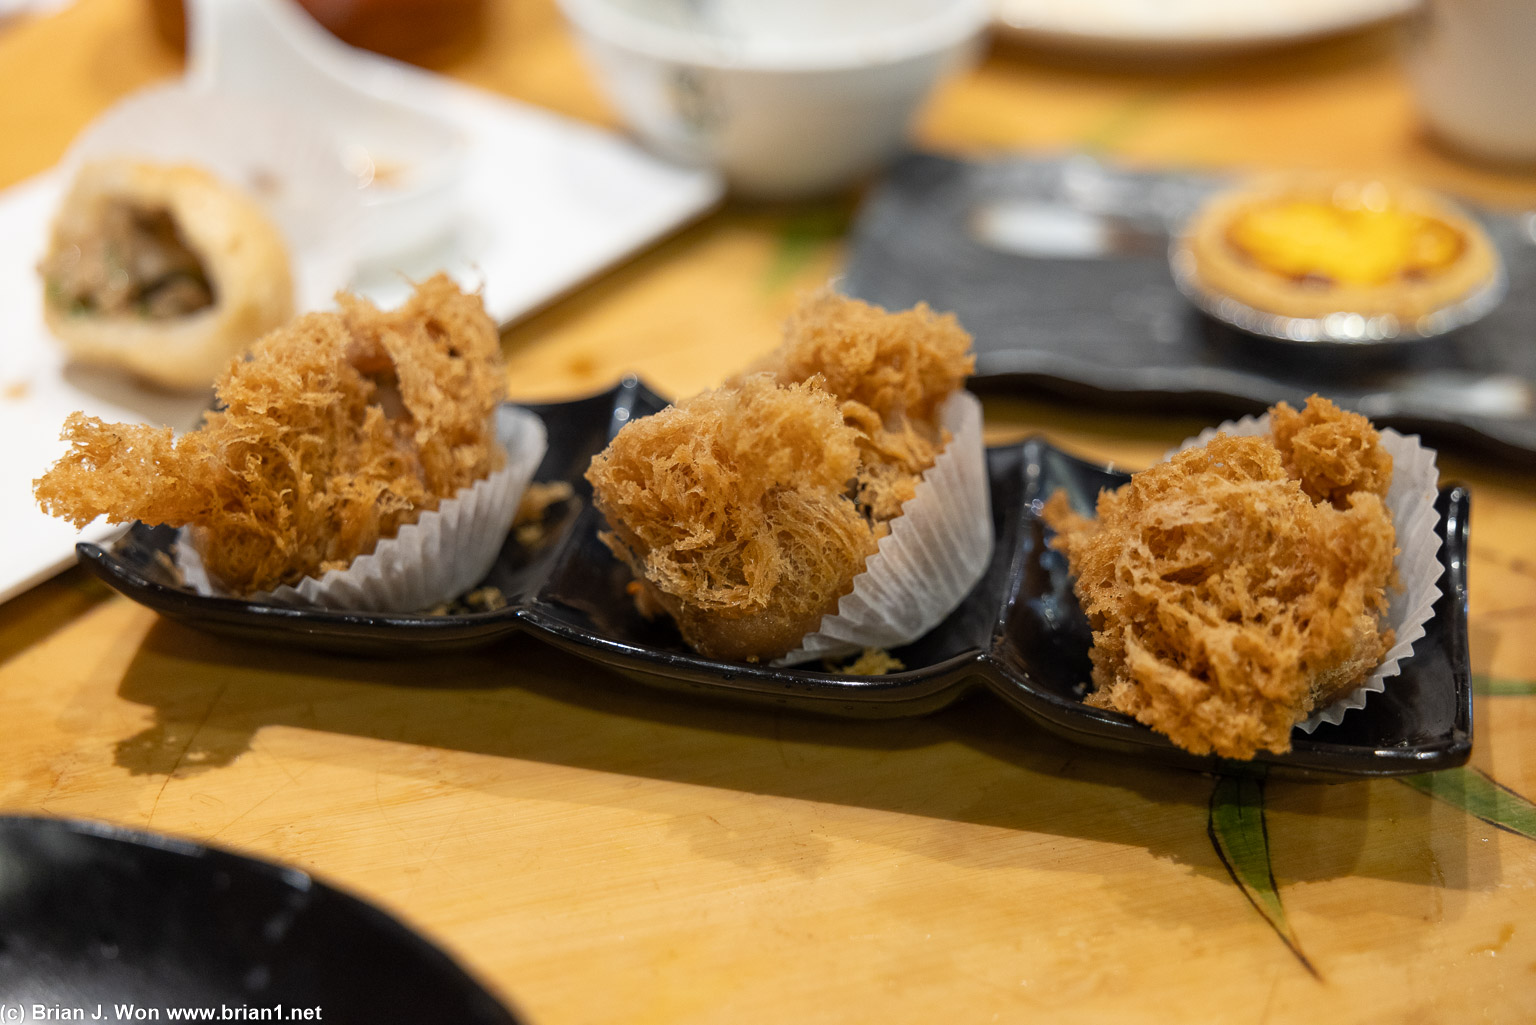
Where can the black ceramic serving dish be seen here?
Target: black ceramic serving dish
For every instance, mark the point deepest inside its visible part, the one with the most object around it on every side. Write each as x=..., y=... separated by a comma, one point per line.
x=1060, y=270
x=1020, y=631
x=94, y=915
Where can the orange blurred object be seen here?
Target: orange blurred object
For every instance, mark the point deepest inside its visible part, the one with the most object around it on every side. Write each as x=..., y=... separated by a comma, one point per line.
x=412, y=30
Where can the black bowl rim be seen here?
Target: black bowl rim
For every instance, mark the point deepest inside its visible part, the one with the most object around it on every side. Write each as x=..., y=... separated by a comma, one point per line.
x=368, y=914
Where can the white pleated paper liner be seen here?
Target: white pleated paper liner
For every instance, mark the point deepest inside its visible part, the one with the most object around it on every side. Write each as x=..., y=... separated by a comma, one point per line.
x=439, y=557
x=1411, y=501
x=937, y=549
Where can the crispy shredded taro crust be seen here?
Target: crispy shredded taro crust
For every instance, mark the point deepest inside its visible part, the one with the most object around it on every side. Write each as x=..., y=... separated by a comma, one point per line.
x=1239, y=586
x=1333, y=453
x=746, y=512
x=336, y=430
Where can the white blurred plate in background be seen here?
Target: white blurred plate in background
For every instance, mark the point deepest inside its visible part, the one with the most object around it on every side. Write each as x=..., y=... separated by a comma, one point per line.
x=1186, y=27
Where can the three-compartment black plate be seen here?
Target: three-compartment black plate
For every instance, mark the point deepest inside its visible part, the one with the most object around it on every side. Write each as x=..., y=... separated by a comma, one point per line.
x=1019, y=633
x=92, y=914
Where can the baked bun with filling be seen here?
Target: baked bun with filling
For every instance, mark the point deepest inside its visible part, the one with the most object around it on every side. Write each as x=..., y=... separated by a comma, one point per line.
x=162, y=270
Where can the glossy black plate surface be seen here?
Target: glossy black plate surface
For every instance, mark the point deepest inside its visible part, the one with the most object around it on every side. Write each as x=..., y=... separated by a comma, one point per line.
x=1019, y=633
x=93, y=915
x=1059, y=268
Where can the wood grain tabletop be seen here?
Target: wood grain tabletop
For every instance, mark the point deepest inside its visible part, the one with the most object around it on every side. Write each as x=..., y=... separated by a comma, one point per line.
x=596, y=851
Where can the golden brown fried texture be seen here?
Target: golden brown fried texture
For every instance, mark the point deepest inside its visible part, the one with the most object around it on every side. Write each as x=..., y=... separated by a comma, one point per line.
x=1332, y=452
x=1226, y=601
x=900, y=365
x=731, y=507
x=338, y=429
x=890, y=372
x=746, y=512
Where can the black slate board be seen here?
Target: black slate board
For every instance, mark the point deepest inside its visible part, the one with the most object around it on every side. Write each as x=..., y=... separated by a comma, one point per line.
x=1059, y=269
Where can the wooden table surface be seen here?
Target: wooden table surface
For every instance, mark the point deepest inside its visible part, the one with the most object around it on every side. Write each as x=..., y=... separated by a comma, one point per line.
x=599, y=852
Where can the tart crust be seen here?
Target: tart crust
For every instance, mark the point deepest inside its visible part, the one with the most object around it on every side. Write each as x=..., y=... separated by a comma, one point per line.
x=240, y=250
x=1222, y=266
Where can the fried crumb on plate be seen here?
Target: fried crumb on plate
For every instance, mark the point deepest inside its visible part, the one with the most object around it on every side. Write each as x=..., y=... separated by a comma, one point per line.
x=528, y=527
x=869, y=662
x=481, y=599
x=539, y=497
x=1240, y=585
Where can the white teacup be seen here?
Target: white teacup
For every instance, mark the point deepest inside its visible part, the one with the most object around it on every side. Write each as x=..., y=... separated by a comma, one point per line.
x=787, y=98
x=1473, y=67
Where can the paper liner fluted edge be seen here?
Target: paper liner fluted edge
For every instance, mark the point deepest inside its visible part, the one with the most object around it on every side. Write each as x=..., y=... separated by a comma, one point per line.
x=937, y=549
x=435, y=559
x=1411, y=605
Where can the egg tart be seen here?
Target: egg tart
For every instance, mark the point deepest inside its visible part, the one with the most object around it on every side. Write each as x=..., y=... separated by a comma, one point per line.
x=1344, y=254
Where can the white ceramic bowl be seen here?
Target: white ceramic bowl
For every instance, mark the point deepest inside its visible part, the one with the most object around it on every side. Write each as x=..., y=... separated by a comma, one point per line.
x=1471, y=69
x=788, y=98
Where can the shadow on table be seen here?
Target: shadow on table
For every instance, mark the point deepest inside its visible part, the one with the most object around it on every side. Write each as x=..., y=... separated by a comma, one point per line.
x=30, y=617
x=976, y=762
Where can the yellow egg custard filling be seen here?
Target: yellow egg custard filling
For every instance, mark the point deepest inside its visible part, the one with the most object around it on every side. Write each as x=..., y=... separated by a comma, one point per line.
x=1309, y=249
